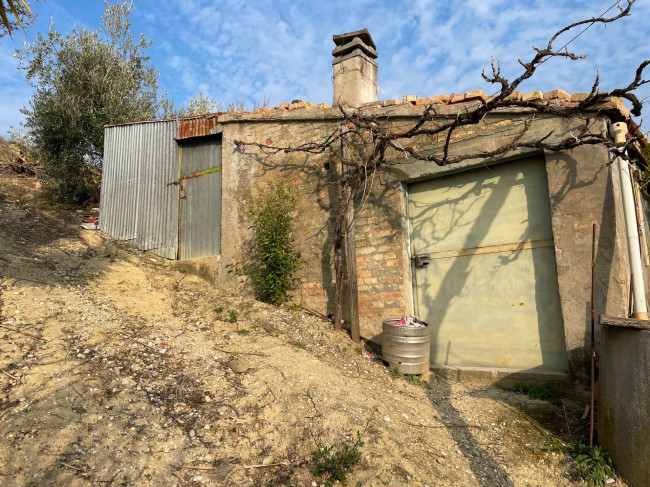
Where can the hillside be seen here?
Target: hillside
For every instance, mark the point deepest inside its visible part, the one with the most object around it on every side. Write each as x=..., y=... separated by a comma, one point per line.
x=116, y=369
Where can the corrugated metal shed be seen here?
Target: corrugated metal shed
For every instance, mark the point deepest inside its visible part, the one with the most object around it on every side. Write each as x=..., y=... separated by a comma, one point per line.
x=139, y=200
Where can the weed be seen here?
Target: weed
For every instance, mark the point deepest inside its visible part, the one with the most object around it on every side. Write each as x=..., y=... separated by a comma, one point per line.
x=420, y=439
x=412, y=379
x=395, y=373
x=358, y=350
x=553, y=444
x=336, y=461
x=218, y=309
x=300, y=345
x=243, y=332
x=593, y=464
x=255, y=327
x=545, y=392
x=345, y=349
x=415, y=380
x=232, y=316
x=293, y=308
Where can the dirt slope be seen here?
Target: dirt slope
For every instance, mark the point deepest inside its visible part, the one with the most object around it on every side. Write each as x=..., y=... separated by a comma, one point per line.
x=145, y=376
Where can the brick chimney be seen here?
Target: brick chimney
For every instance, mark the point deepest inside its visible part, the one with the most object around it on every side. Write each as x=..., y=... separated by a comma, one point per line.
x=355, y=69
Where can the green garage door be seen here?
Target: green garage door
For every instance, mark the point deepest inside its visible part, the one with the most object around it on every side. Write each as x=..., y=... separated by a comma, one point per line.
x=489, y=290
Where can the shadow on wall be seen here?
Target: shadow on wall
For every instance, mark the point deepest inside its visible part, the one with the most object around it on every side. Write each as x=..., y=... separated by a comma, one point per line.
x=316, y=182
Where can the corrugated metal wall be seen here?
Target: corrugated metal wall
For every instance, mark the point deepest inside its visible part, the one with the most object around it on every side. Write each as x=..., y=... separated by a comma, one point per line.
x=201, y=208
x=138, y=203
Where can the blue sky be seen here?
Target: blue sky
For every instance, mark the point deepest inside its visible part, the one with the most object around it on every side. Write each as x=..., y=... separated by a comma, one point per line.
x=277, y=50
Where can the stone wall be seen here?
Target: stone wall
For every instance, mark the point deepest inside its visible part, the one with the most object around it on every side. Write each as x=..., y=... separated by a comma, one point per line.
x=582, y=190
x=624, y=401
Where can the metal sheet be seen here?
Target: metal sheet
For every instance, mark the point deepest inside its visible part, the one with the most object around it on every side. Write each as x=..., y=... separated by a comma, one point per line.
x=501, y=307
x=201, y=208
x=138, y=203
x=198, y=126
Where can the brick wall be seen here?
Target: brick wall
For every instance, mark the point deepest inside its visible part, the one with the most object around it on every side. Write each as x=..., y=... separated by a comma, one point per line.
x=378, y=226
x=578, y=181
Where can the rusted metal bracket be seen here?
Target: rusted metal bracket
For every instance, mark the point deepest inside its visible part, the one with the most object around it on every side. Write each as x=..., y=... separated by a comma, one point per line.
x=195, y=175
x=420, y=261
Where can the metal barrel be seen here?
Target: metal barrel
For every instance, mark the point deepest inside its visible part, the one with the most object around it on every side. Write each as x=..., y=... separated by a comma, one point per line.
x=405, y=347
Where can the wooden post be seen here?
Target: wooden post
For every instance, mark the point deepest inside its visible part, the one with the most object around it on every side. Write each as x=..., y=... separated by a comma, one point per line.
x=347, y=199
x=338, y=263
x=351, y=257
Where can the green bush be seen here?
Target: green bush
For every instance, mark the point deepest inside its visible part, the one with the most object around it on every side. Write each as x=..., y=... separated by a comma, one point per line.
x=337, y=460
x=272, y=267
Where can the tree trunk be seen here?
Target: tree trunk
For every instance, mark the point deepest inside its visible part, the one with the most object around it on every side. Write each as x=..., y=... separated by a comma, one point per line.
x=339, y=233
x=351, y=257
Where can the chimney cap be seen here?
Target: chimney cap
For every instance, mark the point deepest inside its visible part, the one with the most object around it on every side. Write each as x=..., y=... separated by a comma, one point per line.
x=356, y=43
x=364, y=35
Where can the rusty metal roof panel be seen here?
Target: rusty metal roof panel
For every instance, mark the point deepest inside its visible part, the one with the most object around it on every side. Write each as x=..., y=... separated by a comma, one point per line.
x=197, y=127
x=174, y=119
x=139, y=200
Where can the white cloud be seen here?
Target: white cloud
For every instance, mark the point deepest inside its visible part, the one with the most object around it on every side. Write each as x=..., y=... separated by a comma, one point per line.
x=281, y=49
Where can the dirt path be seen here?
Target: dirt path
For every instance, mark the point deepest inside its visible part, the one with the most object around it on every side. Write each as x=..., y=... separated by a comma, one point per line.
x=146, y=376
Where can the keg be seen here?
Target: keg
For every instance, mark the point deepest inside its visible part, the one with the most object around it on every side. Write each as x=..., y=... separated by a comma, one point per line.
x=405, y=347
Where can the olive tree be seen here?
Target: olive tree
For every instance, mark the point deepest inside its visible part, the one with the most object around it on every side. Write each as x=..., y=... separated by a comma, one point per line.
x=83, y=80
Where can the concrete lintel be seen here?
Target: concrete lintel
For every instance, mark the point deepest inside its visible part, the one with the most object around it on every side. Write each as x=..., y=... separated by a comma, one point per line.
x=631, y=323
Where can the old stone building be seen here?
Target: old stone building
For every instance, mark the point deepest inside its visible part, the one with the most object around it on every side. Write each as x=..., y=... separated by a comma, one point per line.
x=508, y=243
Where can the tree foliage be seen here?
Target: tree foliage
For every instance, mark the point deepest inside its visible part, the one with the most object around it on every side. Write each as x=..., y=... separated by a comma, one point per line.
x=272, y=267
x=198, y=105
x=83, y=80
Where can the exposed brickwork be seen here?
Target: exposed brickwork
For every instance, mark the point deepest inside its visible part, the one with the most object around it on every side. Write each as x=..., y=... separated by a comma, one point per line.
x=380, y=265
x=383, y=265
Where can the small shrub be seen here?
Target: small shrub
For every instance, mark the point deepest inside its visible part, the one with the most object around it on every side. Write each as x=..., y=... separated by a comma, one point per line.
x=553, y=444
x=337, y=460
x=593, y=464
x=271, y=271
x=232, y=316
